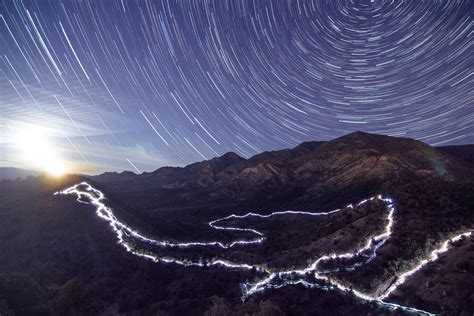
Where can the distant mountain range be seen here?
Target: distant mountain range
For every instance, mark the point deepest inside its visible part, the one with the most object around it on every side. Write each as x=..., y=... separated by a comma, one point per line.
x=274, y=165
x=461, y=152
x=10, y=173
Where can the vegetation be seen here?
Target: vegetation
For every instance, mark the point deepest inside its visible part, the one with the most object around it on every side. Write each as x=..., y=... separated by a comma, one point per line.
x=58, y=257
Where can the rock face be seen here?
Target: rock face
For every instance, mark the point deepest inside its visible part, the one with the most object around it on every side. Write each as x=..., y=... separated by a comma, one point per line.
x=293, y=176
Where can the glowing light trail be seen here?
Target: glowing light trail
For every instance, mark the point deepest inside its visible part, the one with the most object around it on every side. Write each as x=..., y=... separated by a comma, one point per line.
x=433, y=257
x=359, y=257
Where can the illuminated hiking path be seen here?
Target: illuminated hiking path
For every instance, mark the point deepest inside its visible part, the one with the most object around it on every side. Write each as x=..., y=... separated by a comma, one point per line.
x=88, y=195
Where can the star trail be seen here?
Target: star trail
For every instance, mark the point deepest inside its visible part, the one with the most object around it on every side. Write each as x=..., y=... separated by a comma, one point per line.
x=140, y=84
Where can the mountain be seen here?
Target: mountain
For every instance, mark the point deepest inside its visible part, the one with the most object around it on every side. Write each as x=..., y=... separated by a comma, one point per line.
x=58, y=257
x=351, y=154
x=298, y=176
x=10, y=173
x=463, y=152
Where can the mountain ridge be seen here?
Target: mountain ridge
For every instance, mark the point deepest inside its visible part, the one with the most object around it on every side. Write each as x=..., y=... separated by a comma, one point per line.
x=459, y=152
x=12, y=173
x=355, y=157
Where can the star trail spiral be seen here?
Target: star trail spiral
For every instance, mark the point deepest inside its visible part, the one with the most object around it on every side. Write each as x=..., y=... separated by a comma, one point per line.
x=141, y=84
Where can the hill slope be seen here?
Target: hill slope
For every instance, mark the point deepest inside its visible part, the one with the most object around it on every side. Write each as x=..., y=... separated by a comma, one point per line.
x=462, y=152
x=77, y=260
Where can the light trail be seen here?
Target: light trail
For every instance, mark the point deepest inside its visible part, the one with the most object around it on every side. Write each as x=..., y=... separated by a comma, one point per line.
x=123, y=231
x=361, y=256
x=434, y=255
x=107, y=214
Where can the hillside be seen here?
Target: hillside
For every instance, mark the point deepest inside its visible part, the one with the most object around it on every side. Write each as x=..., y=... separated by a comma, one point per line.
x=462, y=152
x=77, y=257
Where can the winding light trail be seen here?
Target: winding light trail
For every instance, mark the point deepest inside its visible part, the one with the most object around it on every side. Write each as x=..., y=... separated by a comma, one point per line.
x=88, y=195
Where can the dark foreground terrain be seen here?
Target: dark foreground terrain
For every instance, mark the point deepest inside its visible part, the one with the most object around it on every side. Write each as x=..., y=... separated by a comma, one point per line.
x=57, y=257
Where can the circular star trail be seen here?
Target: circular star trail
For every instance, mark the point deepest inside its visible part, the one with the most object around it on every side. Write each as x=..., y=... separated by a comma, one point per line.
x=140, y=84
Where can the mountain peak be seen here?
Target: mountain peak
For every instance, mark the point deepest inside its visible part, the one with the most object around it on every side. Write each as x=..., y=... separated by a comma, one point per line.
x=363, y=135
x=383, y=143
x=359, y=133
x=230, y=156
x=219, y=163
x=308, y=146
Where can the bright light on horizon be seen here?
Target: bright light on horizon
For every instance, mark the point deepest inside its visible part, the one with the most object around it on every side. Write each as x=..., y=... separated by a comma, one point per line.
x=35, y=147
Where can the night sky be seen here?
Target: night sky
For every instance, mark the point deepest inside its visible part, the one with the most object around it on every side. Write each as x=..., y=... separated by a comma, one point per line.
x=114, y=85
